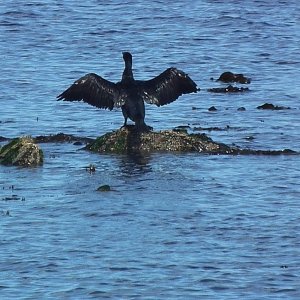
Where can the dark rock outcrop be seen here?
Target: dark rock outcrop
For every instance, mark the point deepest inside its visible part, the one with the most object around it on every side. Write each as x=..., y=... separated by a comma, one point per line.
x=21, y=152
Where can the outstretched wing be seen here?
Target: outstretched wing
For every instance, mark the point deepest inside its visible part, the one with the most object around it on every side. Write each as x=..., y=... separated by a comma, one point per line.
x=94, y=90
x=167, y=87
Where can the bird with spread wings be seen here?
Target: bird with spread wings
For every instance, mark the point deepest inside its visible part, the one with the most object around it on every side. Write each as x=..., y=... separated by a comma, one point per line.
x=130, y=94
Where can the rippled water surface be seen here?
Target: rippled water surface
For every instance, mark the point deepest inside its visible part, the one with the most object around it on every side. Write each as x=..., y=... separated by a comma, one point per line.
x=174, y=226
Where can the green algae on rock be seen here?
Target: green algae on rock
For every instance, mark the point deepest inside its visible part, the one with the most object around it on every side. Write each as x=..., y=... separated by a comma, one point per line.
x=127, y=139
x=21, y=152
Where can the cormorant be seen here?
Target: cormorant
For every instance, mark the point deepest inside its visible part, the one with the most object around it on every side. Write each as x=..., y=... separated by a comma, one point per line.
x=130, y=94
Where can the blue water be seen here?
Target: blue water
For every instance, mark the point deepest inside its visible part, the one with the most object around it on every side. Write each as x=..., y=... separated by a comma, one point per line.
x=174, y=226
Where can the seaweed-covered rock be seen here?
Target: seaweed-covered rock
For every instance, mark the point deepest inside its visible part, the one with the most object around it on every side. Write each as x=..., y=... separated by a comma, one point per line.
x=127, y=140
x=21, y=152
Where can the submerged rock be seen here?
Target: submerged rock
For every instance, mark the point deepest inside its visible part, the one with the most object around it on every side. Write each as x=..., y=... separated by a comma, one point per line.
x=21, y=152
x=104, y=188
x=241, y=109
x=272, y=107
x=127, y=140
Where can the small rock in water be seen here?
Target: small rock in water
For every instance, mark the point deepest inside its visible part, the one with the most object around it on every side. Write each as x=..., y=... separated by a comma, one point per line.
x=272, y=107
x=104, y=188
x=212, y=108
x=241, y=108
x=231, y=77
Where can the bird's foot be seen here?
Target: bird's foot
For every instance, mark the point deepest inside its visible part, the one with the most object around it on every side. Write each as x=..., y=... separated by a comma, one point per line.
x=143, y=128
x=128, y=127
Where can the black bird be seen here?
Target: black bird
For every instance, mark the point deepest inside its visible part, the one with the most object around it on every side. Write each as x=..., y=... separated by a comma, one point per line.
x=130, y=94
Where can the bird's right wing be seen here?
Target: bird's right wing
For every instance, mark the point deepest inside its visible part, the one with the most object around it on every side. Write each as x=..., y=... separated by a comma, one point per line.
x=167, y=87
x=95, y=90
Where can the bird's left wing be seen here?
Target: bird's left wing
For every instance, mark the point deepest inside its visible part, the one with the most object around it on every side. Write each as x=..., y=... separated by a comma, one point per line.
x=94, y=90
x=167, y=87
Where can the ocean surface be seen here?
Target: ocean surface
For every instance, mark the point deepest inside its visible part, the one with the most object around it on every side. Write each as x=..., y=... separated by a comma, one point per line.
x=174, y=226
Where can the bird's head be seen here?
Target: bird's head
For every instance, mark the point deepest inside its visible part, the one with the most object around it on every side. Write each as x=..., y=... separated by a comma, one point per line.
x=127, y=56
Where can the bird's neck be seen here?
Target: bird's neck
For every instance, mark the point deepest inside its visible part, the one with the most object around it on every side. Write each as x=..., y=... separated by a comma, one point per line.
x=127, y=74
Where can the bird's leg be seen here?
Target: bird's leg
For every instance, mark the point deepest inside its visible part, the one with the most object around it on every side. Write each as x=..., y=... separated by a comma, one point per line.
x=125, y=114
x=125, y=122
x=140, y=125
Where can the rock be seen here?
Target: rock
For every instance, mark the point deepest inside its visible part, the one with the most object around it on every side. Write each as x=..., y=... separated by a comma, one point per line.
x=128, y=140
x=21, y=152
x=272, y=107
x=62, y=138
x=212, y=108
x=104, y=188
x=231, y=77
x=228, y=89
x=241, y=109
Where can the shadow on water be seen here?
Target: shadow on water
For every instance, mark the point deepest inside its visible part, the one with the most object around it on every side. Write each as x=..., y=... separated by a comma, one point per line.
x=135, y=163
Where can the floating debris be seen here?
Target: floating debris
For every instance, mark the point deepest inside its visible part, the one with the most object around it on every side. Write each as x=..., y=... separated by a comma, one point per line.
x=13, y=198
x=91, y=168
